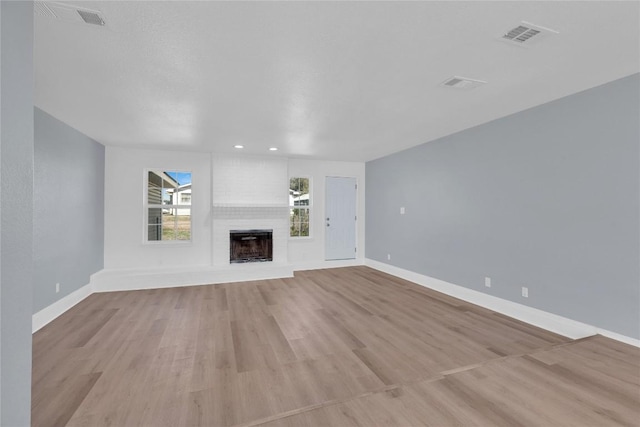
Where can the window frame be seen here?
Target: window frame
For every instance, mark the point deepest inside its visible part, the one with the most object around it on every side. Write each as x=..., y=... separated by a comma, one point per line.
x=146, y=206
x=308, y=207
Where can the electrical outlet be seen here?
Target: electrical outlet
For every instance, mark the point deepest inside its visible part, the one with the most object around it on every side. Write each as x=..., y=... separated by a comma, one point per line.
x=57, y=287
x=525, y=292
x=487, y=282
x=402, y=210
x=389, y=257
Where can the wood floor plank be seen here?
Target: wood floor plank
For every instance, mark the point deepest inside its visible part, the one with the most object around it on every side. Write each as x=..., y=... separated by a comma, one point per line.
x=343, y=347
x=49, y=411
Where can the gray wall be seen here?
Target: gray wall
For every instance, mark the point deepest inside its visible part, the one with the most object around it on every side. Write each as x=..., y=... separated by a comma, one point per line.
x=547, y=198
x=68, y=207
x=16, y=210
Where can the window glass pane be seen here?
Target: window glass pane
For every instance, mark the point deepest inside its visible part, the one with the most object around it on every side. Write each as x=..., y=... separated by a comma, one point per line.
x=299, y=185
x=299, y=191
x=175, y=225
x=155, y=216
x=299, y=222
x=304, y=222
x=167, y=195
x=294, y=229
x=304, y=186
x=304, y=215
x=164, y=185
x=182, y=178
x=154, y=232
x=183, y=226
x=154, y=189
x=172, y=191
x=299, y=196
x=168, y=225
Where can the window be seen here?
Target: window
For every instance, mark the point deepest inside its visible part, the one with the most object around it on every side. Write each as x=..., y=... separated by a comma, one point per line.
x=185, y=198
x=167, y=218
x=300, y=207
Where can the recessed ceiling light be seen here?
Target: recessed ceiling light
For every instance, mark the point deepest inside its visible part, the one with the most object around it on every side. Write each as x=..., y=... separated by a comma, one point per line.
x=238, y=146
x=273, y=149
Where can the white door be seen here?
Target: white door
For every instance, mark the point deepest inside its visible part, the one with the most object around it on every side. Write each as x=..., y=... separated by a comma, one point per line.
x=340, y=218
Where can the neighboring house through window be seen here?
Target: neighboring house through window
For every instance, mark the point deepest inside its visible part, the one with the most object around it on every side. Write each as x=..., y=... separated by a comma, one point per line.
x=181, y=197
x=168, y=207
x=300, y=207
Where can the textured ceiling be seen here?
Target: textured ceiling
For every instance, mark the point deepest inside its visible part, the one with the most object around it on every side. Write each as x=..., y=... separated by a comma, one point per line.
x=330, y=80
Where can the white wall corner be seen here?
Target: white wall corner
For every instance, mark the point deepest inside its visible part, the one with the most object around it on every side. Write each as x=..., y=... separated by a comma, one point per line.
x=533, y=316
x=53, y=311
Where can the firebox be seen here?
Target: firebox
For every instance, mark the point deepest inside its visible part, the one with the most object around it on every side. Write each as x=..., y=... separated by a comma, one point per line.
x=250, y=246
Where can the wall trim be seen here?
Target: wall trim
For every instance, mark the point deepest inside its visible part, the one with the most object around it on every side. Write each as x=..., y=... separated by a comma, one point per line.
x=129, y=280
x=110, y=280
x=533, y=316
x=51, y=312
x=618, y=337
x=318, y=265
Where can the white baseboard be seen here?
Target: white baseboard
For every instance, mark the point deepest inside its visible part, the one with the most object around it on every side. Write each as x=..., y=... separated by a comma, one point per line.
x=318, y=265
x=542, y=319
x=111, y=280
x=130, y=280
x=47, y=314
x=618, y=337
x=126, y=280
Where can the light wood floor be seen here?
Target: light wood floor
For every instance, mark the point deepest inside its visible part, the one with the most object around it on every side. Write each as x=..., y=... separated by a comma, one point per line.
x=341, y=347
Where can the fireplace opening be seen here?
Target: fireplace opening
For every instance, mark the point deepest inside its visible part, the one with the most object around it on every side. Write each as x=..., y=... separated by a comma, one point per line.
x=250, y=246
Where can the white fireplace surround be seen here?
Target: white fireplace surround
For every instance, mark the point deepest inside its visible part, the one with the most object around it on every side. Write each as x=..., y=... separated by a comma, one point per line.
x=221, y=241
x=249, y=193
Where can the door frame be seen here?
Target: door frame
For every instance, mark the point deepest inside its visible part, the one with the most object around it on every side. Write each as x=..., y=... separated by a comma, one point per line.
x=357, y=221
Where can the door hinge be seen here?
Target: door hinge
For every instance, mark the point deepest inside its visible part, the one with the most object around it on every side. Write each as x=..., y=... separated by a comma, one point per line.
x=355, y=249
x=356, y=217
x=356, y=186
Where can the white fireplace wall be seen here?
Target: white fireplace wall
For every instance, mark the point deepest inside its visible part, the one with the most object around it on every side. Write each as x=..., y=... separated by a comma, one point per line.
x=230, y=192
x=248, y=181
x=249, y=193
x=124, y=233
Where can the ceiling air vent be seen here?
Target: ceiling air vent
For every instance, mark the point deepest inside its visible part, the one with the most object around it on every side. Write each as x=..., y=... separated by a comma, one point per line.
x=67, y=13
x=526, y=34
x=91, y=17
x=521, y=34
x=462, y=83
